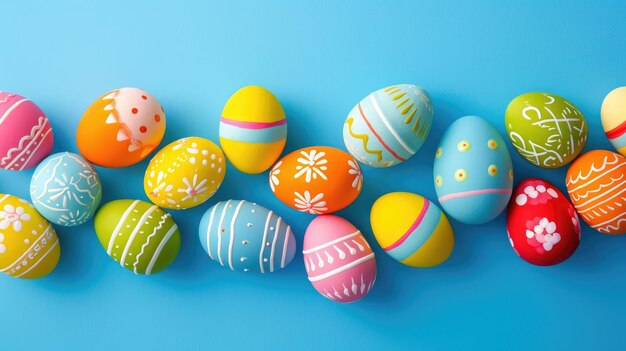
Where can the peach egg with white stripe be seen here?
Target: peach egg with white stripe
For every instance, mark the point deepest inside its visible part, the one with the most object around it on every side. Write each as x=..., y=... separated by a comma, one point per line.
x=140, y=236
x=29, y=247
x=247, y=237
x=338, y=259
x=412, y=229
x=26, y=136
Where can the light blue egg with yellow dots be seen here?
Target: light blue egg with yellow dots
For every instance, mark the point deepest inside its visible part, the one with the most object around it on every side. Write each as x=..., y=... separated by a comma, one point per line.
x=473, y=172
x=389, y=125
x=66, y=189
x=245, y=236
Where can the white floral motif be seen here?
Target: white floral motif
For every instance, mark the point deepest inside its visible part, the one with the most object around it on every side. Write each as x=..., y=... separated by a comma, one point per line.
x=312, y=166
x=3, y=248
x=274, y=176
x=193, y=188
x=159, y=185
x=545, y=234
x=305, y=203
x=12, y=216
x=358, y=175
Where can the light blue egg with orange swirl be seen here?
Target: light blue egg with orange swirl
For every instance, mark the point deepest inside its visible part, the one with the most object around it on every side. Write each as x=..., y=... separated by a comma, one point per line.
x=389, y=125
x=473, y=171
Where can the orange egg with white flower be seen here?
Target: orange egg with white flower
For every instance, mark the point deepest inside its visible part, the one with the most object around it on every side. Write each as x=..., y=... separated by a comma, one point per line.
x=316, y=179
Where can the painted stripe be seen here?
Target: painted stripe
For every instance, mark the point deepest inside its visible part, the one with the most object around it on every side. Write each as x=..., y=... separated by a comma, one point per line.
x=35, y=149
x=342, y=269
x=134, y=233
x=474, y=192
x=29, y=249
x=623, y=164
x=50, y=249
x=208, y=232
x=119, y=225
x=332, y=242
x=157, y=253
x=276, y=233
x=383, y=118
x=609, y=221
x=252, y=125
x=7, y=112
x=232, y=235
x=285, y=244
x=267, y=225
x=369, y=125
x=600, y=197
x=6, y=196
x=219, y=233
x=617, y=131
x=33, y=140
x=412, y=228
x=267, y=135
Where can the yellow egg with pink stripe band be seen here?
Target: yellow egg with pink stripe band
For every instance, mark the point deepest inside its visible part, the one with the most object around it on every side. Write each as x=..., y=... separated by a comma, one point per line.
x=253, y=129
x=411, y=229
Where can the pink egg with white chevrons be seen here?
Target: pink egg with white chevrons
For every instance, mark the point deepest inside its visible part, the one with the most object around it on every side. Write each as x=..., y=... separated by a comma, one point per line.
x=338, y=260
x=26, y=136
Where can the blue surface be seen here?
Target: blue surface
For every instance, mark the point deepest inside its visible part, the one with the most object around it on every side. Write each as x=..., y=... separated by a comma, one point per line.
x=319, y=60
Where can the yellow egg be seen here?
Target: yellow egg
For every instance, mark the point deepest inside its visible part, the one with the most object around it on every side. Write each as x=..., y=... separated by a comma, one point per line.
x=185, y=173
x=411, y=229
x=253, y=129
x=29, y=247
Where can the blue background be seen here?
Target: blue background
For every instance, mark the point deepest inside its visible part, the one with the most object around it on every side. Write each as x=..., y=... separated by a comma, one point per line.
x=320, y=60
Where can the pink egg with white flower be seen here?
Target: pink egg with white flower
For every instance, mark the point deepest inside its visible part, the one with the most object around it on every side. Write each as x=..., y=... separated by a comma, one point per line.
x=26, y=136
x=338, y=259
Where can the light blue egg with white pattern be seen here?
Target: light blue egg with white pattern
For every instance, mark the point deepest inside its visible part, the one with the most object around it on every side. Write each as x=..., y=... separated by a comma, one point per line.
x=245, y=236
x=66, y=189
x=389, y=125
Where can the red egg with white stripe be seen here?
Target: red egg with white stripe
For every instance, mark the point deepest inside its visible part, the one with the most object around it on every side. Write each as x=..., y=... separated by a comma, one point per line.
x=338, y=259
x=542, y=224
x=26, y=136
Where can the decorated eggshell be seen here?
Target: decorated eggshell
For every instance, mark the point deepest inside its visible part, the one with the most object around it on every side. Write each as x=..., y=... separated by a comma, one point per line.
x=411, y=229
x=473, y=171
x=29, y=247
x=140, y=236
x=542, y=225
x=389, y=125
x=26, y=136
x=246, y=237
x=338, y=260
x=185, y=173
x=121, y=128
x=253, y=129
x=66, y=189
x=545, y=129
x=316, y=180
x=596, y=183
x=614, y=118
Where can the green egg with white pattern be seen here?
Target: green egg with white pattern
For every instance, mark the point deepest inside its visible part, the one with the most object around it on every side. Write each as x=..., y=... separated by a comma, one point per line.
x=140, y=236
x=545, y=129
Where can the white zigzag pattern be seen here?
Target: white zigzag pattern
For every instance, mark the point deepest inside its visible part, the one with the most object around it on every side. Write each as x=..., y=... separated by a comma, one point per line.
x=41, y=123
x=143, y=247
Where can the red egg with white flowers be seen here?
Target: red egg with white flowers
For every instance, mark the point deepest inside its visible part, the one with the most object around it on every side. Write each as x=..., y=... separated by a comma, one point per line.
x=542, y=224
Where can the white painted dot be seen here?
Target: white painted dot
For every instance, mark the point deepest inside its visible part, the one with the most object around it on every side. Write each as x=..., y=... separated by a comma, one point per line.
x=26, y=241
x=205, y=152
x=192, y=160
x=212, y=156
x=521, y=199
x=265, y=260
x=205, y=162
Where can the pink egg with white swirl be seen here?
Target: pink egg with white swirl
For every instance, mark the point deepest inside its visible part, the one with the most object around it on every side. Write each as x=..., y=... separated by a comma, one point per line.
x=338, y=260
x=26, y=136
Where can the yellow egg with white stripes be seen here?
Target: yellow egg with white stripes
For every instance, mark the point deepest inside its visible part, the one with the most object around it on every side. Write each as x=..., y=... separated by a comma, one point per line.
x=29, y=247
x=140, y=236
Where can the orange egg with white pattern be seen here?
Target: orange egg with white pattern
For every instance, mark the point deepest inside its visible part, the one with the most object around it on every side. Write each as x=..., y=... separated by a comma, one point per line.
x=317, y=179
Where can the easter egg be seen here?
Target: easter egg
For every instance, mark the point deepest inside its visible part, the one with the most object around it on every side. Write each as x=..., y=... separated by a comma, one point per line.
x=185, y=173
x=411, y=229
x=66, y=189
x=545, y=129
x=253, y=129
x=316, y=180
x=389, y=125
x=596, y=183
x=246, y=237
x=121, y=128
x=338, y=260
x=29, y=247
x=542, y=225
x=613, y=116
x=140, y=236
x=473, y=171
x=26, y=136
